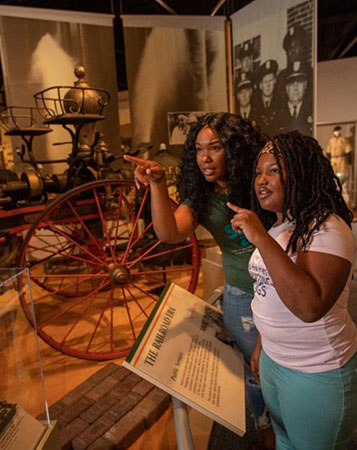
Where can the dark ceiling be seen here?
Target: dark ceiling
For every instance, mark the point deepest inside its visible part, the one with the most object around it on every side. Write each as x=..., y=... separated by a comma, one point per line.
x=337, y=20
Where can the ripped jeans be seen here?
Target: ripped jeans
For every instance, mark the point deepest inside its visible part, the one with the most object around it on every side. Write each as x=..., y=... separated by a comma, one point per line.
x=238, y=319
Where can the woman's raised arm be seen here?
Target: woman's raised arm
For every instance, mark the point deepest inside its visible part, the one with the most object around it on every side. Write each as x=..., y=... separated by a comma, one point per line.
x=170, y=226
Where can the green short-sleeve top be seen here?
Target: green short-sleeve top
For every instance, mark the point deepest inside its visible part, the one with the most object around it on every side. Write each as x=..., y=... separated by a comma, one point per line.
x=236, y=249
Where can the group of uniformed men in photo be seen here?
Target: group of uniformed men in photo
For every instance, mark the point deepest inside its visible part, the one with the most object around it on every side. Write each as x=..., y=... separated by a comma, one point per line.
x=276, y=100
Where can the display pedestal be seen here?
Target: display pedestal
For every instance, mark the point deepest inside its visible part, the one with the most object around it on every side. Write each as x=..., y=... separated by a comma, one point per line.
x=212, y=271
x=51, y=439
x=24, y=432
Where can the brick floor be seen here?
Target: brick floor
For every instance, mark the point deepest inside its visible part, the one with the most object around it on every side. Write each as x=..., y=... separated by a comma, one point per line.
x=108, y=411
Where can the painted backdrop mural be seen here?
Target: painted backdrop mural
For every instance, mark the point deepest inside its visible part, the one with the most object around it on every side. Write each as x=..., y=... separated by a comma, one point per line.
x=174, y=65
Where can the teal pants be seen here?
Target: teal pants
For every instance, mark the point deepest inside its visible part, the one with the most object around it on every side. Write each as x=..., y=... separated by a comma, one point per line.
x=310, y=411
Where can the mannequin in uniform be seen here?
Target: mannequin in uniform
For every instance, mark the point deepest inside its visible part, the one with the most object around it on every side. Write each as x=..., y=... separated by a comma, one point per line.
x=339, y=152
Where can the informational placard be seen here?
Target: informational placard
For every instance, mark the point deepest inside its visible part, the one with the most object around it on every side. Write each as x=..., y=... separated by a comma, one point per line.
x=185, y=350
x=23, y=432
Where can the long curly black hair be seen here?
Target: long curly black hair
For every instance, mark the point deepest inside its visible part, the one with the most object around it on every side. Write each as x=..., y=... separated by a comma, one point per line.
x=312, y=192
x=242, y=143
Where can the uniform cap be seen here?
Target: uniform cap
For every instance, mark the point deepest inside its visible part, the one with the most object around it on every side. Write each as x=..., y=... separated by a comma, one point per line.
x=269, y=66
x=296, y=71
x=245, y=81
x=294, y=32
x=246, y=50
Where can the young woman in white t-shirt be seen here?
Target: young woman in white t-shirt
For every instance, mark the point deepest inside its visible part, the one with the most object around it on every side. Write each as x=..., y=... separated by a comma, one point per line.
x=305, y=356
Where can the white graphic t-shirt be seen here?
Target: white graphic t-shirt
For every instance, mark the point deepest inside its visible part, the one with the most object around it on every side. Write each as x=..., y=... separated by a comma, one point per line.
x=320, y=346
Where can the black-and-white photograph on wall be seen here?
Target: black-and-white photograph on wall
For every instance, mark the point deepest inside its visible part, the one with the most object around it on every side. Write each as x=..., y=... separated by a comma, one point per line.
x=338, y=141
x=179, y=124
x=273, y=65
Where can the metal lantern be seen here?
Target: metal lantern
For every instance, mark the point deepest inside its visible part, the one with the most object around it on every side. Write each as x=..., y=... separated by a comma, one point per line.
x=82, y=99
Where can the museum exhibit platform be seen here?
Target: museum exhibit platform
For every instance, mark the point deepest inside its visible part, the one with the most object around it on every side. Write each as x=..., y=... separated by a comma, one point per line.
x=109, y=410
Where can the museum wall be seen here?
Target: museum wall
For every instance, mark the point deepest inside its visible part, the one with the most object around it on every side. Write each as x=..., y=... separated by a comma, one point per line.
x=337, y=90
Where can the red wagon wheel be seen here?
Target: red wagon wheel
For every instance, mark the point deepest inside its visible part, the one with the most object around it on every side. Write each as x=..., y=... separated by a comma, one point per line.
x=98, y=268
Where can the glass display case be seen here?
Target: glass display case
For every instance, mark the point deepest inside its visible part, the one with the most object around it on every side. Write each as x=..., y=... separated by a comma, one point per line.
x=22, y=382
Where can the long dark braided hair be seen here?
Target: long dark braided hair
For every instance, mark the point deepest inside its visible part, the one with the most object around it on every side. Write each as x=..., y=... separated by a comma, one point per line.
x=312, y=192
x=242, y=143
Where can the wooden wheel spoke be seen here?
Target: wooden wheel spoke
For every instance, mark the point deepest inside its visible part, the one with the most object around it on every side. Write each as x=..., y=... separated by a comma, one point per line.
x=42, y=239
x=87, y=276
x=147, y=293
x=104, y=225
x=108, y=302
x=53, y=253
x=76, y=322
x=48, y=246
x=144, y=256
x=73, y=305
x=63, y=246
x=82, y=222
x=76, y=243
x=146, y=229
x=117, y=218
x=129, y=315
x=63, y=289
x=137, y=303
x=177, y=269
x=155, y=282
x=135, y=227
x=91, y=281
